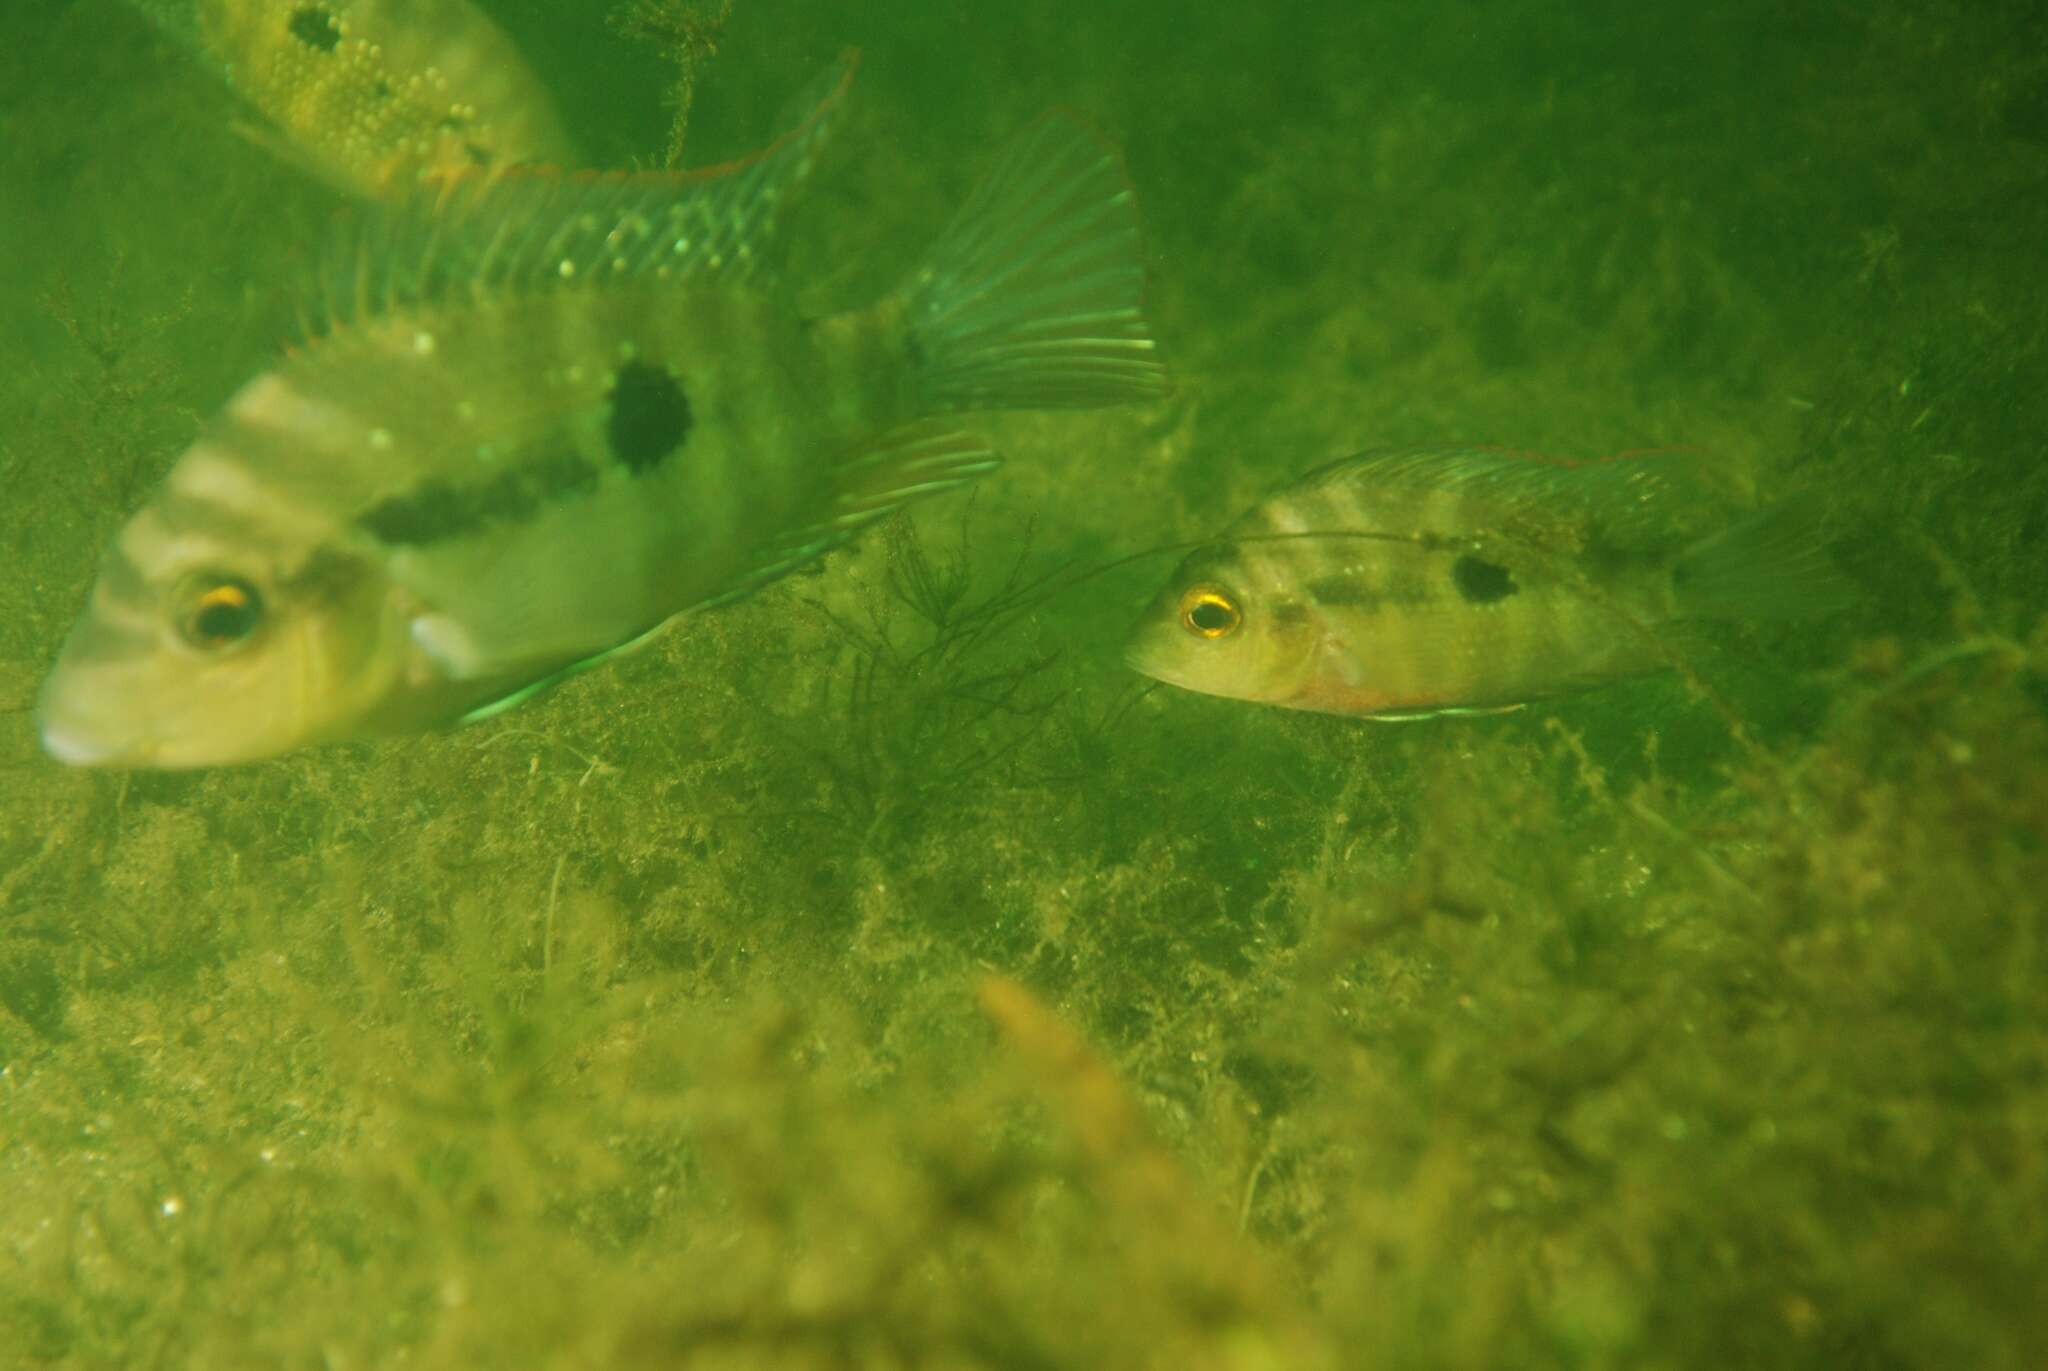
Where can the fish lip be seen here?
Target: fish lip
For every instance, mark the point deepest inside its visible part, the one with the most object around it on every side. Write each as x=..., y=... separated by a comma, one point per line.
x=75, y=749
x=79, y=738
x=1142, y=663
x=1135, y=658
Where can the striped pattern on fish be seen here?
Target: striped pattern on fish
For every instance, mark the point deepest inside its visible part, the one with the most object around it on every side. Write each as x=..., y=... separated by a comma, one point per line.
x=1420, y=581
x=541, y=419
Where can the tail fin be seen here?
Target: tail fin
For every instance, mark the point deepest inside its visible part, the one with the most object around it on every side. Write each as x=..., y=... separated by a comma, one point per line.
x=1772, y=565
x=1031, y=298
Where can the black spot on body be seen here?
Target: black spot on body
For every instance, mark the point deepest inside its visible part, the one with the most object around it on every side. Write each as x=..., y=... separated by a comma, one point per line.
x=314, y=26
x=650, y=418
x=1482, y=582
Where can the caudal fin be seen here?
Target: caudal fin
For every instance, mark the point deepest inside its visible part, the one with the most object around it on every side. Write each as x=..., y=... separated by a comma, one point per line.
x=1772, y=565
x=1031, y=299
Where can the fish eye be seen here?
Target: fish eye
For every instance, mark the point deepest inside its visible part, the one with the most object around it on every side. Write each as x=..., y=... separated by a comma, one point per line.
x=220, y=611
x=1209, y=612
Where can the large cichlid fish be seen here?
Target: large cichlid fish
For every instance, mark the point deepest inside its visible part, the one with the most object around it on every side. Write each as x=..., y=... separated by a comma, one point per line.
x=549, y=414
x=377, y=96
x=1397, y=585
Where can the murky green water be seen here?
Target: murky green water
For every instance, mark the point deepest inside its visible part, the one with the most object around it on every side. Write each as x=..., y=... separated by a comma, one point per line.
x=1692, y=1021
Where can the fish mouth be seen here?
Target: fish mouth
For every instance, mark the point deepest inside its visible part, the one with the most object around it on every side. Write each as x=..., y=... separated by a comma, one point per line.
x=84, y=736
x=1149, y=664
x=1142, y=662
x=75, y=747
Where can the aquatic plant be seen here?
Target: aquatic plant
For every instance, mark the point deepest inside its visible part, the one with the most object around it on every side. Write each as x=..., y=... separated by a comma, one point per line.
x=688, y=36
x=869, y=975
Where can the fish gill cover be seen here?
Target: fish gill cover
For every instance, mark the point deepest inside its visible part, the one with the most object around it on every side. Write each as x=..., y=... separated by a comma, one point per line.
x=876, y=973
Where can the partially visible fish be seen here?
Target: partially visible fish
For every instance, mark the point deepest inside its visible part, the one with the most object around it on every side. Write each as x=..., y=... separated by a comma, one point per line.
x=377, y=96
x=550, y=414
x=1397, y=585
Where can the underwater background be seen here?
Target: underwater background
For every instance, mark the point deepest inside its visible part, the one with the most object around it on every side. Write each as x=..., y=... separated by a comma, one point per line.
x=877, y=973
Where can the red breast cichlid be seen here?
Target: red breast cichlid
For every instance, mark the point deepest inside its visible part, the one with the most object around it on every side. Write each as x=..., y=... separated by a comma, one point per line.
x=1397, y=585
x=549, y=413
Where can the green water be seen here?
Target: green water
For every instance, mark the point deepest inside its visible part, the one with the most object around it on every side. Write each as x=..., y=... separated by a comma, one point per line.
x=1678, y=1023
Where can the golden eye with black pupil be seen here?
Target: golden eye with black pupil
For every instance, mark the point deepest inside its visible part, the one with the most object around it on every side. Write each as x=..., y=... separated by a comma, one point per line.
x=1209, y=612
x=221, y=611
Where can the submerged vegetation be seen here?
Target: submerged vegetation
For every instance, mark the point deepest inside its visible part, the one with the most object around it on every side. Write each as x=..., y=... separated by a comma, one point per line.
x=687, y=35
x=874, y=974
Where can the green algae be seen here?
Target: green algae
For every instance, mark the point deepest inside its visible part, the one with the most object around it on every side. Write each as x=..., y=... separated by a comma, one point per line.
x=643, y=1027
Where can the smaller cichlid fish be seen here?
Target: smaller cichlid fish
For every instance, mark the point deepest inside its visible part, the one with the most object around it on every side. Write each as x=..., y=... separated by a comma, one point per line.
x=544, y=415
x=1404, y=584
x=377, y=96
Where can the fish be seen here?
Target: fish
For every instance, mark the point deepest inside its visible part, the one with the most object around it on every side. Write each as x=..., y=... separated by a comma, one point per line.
x=376, y=97
x=1420, y=582
x=537, y=420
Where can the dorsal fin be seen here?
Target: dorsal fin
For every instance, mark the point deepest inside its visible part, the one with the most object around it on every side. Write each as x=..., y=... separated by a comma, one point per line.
x=1640, y=499
x=533, y=229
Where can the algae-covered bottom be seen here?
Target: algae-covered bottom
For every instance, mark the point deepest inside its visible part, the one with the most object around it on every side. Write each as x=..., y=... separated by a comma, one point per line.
x=876, y=973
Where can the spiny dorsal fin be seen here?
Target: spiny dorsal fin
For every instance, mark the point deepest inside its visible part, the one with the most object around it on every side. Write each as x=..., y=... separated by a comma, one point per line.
x=532, y=229
x=1639, y=499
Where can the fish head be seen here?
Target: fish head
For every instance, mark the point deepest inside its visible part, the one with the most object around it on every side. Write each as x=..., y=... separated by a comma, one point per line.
x=209, y=641
x=1218, y=628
